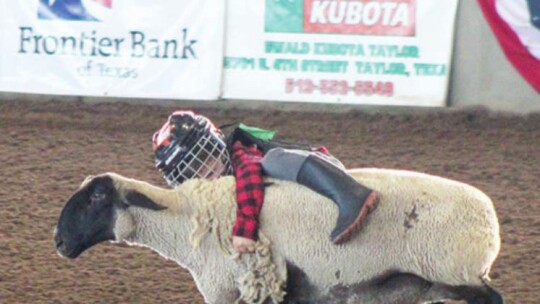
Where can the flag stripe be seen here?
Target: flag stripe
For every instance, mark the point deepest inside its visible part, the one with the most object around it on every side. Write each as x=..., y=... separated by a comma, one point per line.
x=516, y=52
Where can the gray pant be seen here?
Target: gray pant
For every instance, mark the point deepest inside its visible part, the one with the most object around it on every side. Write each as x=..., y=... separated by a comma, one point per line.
x=286, y=163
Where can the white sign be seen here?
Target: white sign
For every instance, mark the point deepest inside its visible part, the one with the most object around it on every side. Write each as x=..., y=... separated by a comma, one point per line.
x=127, y=48
x=390, y=52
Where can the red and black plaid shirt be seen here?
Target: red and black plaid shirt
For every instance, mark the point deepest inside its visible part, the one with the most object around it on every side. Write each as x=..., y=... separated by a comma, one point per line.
x=247, y=167
x=246, y=162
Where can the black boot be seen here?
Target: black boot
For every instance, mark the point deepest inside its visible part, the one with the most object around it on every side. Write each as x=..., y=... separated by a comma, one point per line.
x=354, y=201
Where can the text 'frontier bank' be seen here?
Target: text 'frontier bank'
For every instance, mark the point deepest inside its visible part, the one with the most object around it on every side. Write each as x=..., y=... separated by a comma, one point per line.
x=91, y=44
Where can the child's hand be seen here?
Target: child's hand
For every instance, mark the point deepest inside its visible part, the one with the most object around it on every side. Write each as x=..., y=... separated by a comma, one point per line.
x=242, y=244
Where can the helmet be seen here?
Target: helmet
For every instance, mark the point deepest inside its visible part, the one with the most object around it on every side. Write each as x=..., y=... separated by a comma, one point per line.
x=190, y=146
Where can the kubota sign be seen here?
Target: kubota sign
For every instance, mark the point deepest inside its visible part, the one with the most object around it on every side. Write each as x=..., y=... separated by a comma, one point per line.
x=366, y=17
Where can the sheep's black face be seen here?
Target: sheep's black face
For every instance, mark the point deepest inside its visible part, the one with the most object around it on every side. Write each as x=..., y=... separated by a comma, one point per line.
x=88, y=217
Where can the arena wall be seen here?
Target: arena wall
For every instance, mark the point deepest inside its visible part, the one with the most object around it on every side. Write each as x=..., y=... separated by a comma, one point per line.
x=481, y=75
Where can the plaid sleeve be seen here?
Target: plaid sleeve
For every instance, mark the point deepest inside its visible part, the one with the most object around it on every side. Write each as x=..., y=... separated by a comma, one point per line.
x=246, y=162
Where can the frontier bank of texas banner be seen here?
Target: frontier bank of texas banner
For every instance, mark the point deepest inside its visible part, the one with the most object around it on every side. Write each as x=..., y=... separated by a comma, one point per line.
x=131, y=48
x=353, y=51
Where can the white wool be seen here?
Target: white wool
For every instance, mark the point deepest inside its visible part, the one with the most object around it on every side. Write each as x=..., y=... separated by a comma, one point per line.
x=453, y=236
x=441, y=230
x=266, y=276
x=199, y=217
x=264, y=279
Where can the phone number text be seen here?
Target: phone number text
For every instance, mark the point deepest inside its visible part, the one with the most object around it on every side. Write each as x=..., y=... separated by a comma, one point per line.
x=339, y=87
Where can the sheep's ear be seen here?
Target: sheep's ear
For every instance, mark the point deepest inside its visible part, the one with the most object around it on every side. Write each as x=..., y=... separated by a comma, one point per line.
x=138, y=199
x=87, y=180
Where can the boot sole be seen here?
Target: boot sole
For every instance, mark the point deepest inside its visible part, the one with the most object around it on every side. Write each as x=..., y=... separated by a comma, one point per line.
x=369, y=205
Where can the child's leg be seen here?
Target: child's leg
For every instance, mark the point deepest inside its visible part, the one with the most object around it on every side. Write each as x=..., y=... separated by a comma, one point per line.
x=318, y=172
x=285, y=163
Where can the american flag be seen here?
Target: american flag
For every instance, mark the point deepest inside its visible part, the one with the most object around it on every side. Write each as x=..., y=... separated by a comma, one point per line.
x=516, y=25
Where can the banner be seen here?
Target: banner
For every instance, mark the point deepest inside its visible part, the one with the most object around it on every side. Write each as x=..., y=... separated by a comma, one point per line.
x=516, y=25
x=124, y=48
x=386, y=52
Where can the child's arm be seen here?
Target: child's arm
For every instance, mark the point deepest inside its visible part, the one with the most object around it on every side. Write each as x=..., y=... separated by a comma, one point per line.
x=247, y=167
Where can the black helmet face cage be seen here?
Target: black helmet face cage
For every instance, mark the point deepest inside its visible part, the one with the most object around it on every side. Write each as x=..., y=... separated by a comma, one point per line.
x=196, y=150
x=207, y=158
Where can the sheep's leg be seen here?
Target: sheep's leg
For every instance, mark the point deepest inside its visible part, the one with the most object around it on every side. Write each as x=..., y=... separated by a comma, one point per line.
x=216, y=289
x=439, y=294
x=398, y=288
x=479, y=295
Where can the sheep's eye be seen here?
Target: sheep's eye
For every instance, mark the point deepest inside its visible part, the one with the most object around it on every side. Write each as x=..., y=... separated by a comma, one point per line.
x=97, y=196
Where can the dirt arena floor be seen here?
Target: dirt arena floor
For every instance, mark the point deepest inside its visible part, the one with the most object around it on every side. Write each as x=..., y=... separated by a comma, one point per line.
x=47, y=149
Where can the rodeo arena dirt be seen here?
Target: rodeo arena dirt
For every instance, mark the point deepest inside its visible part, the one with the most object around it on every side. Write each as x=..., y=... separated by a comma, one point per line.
x=48, y=148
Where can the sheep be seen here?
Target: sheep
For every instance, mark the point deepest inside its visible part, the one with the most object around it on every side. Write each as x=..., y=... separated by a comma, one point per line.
x=429, y=239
